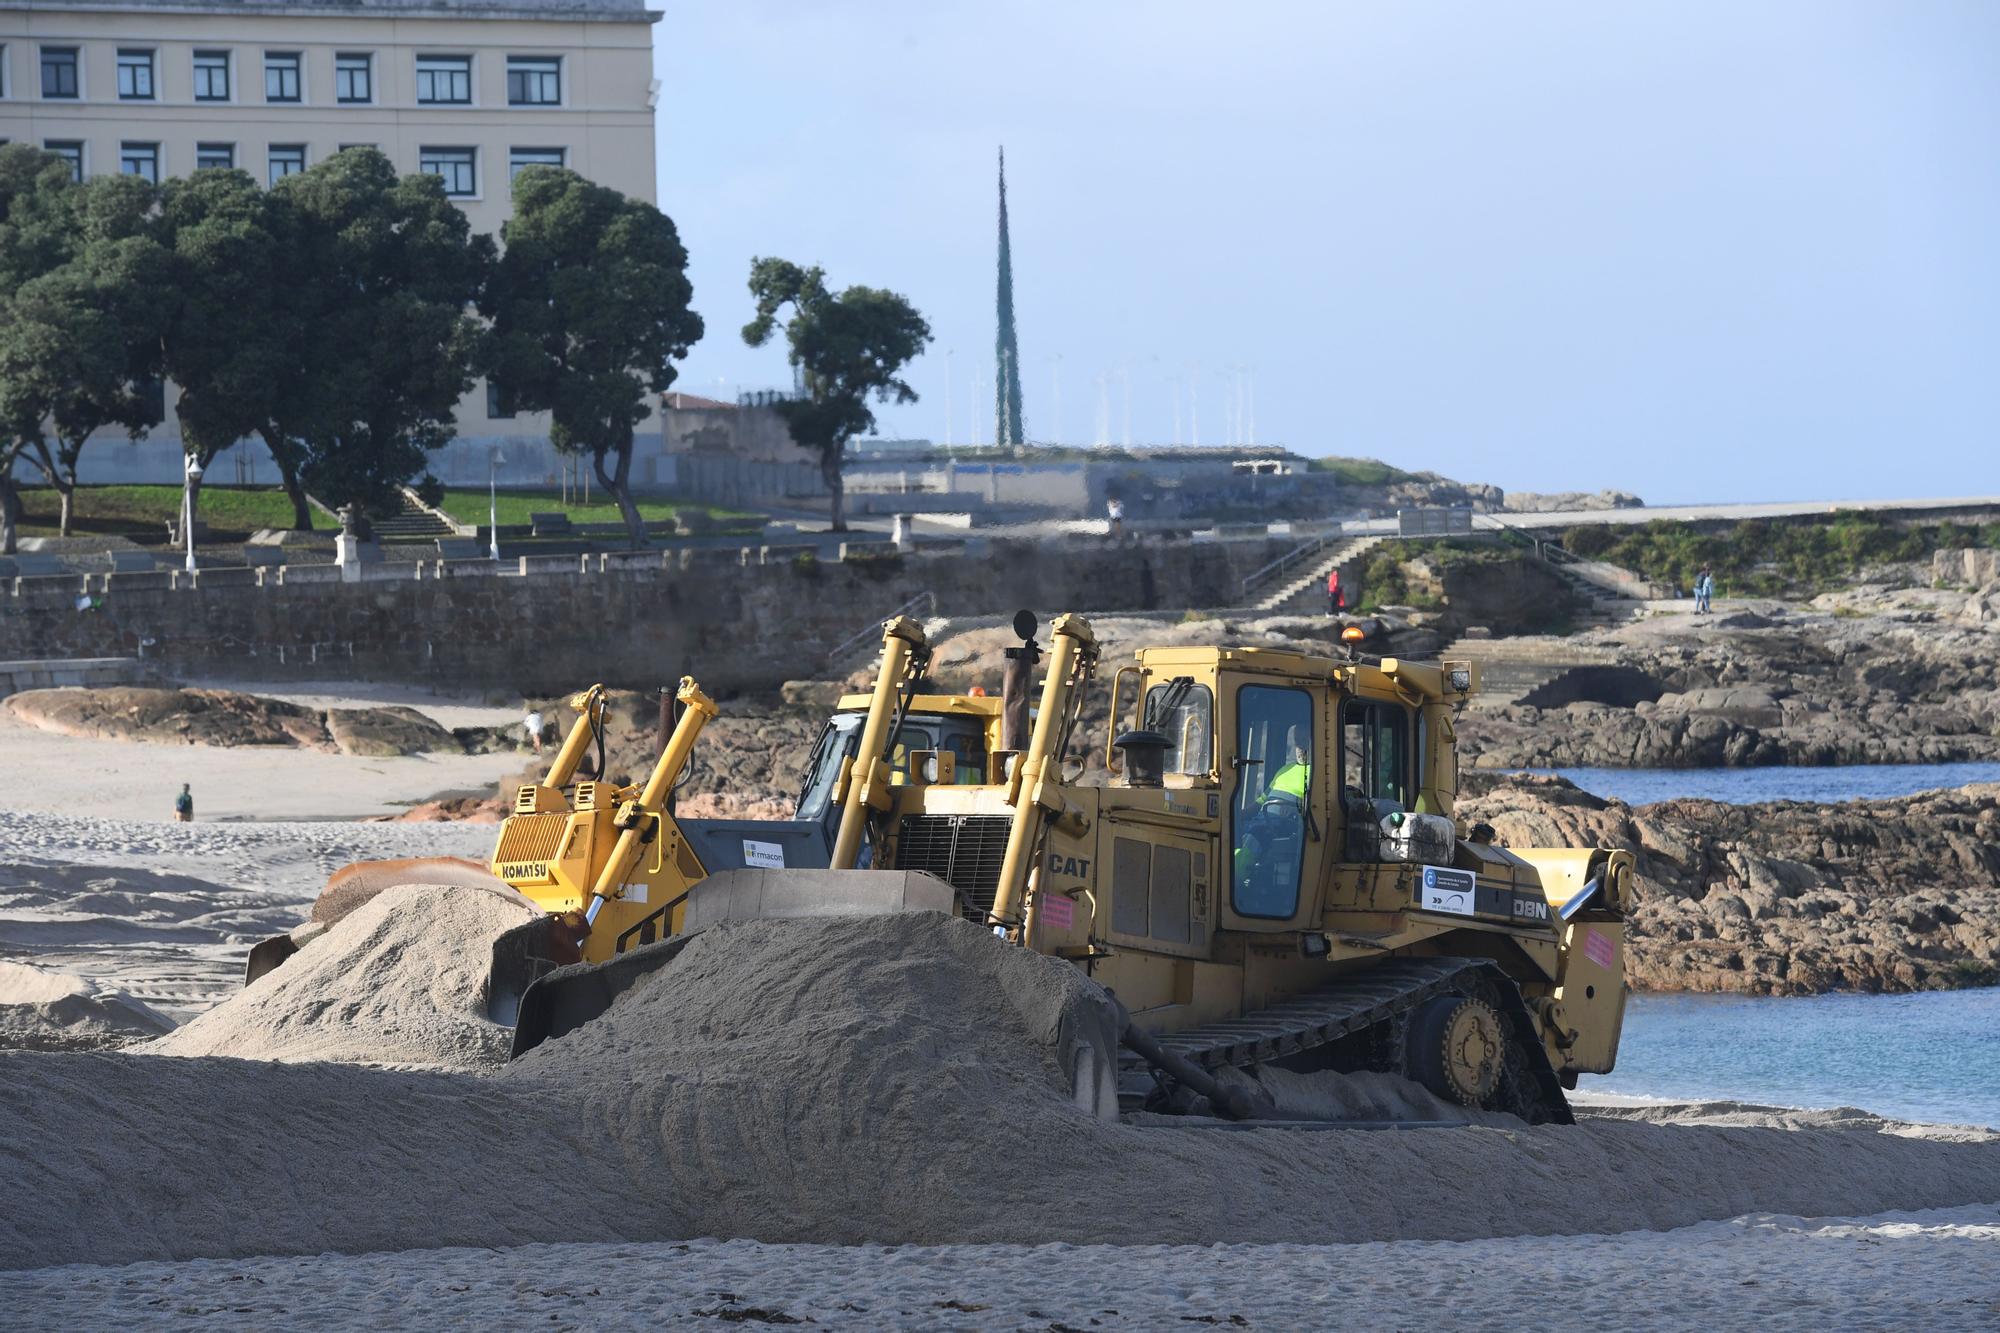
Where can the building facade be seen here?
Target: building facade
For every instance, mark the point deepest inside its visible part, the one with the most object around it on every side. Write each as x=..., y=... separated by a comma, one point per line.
x=469, y=90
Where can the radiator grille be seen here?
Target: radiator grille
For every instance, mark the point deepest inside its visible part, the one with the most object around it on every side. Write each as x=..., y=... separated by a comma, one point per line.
x=531, y=837
x=964, y=851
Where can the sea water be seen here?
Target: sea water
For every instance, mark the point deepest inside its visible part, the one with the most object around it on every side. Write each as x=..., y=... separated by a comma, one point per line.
x=1741, y=786
x=1932, y=1056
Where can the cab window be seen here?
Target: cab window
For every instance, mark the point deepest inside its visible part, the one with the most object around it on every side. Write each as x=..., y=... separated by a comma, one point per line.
x=836, y=742
x=1184, y=713
x=1268, y=818
x=1375, y=750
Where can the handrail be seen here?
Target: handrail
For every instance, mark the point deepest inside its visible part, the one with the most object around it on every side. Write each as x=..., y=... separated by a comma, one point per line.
x=1634, y=586
x=873, y=630
x=1297, y=552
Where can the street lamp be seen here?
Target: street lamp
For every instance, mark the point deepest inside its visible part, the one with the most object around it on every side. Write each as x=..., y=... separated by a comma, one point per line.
x=493, y=462
x=187, y=507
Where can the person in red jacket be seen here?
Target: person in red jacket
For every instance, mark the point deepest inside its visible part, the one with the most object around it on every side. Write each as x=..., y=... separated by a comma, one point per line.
x=1336, y=600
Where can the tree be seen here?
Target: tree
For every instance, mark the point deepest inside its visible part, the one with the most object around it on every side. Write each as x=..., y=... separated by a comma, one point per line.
x=230, y=338
x=589, y=304
x=845, y=348
x=81, y=345
x=80, y=292
x=37, y=230
x=377, y=275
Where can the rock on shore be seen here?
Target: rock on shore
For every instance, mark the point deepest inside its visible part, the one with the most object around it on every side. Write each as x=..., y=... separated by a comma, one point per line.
x=227, y=718
x=1788, y=898
x=1827, y=687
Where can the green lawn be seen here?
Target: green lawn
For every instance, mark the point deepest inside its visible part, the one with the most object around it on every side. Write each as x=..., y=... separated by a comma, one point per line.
x=1359, y=471
x=516, y=507
x=142, y=512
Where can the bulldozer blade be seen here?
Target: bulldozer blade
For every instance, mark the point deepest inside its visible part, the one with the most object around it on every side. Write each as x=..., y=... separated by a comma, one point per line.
x=564, y=1000
x=753, y=895
x=351, y=887
x=568, y=997
x=268, y=956
x=522, y=955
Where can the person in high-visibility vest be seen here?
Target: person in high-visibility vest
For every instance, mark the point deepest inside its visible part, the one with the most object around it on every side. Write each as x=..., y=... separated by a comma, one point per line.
x=1288, y=787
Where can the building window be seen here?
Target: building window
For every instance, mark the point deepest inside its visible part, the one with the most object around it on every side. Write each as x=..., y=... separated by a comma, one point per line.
x=444, y=80
x=282, y=80
x=496, y=406
x=533, y=157
x=344, y=147
x=534, y=80
x=457, y=166
x=135, y=74
x=209, y=155
x=59, y=72
x=211, y=76
x=141, y=160
x=354, y=77
x=287, y=159
x=71, y=151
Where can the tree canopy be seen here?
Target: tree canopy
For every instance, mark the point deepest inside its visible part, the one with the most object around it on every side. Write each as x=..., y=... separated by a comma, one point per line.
x=81, y=317
x=846, y=347
x=589, y=310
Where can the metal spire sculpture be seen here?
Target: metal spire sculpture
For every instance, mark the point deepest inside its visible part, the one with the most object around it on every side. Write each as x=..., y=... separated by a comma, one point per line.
x=1006, y=351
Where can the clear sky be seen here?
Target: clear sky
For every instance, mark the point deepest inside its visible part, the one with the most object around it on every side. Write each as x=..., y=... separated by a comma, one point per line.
x=1698, y=249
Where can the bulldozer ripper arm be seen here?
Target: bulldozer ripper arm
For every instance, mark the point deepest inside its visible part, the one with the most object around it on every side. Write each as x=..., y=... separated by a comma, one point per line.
x=638, y=822
x=589, y=707
x=1072, y=657
x=903, y=642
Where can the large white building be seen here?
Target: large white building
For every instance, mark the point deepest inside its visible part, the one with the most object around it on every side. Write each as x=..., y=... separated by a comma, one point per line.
x=471, y=90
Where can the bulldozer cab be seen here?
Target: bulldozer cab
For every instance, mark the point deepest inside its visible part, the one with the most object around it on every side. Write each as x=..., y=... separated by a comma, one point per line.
x=960, y=732
x=1299, y=762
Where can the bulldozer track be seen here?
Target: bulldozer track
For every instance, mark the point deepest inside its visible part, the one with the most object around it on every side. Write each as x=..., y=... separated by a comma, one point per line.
x=1374, y=999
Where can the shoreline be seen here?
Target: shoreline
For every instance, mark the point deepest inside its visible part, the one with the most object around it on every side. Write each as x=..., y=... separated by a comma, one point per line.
x=1908, y=1269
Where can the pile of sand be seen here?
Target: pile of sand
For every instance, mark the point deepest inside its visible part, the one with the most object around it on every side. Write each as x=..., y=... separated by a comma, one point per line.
x=399, y=981
x=46, y=1011
x=901, y=1080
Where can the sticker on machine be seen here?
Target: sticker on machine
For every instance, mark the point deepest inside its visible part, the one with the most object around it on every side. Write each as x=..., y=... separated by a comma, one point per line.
x=1598, y=948
x=1447, y=891
x=1058, y=911
x=763, y=855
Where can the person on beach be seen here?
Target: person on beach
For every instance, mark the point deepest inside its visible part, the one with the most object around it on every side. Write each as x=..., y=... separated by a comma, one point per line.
x=1114, y=509
x=184, y=806
x=532, y=724
x=1336, y=598
x=1704, y=590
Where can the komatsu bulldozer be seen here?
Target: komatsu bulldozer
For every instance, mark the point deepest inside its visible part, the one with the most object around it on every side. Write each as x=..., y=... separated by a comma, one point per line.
x=1272, y=876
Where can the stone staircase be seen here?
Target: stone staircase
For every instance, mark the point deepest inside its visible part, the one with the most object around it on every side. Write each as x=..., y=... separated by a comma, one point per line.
x=1512, y=668
x=1602, y=605
x=1305, y=592
x=414, y=522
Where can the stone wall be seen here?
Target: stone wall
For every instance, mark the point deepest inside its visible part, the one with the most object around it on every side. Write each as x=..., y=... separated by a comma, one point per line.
x=638, y=620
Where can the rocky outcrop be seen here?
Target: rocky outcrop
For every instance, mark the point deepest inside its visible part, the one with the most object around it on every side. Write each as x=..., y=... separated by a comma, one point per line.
x=226, y=718
x=1751, y=690
x=1787, y=898
x=1531, y=502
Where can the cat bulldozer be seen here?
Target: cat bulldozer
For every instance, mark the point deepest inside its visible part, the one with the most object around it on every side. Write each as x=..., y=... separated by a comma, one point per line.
x=1271, y=876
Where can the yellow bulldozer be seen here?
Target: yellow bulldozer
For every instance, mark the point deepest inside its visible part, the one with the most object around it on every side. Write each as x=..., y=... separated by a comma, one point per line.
x=1271, y=876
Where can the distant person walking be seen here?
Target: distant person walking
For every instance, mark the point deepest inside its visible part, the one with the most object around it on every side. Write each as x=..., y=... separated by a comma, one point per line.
x=532, y=724
x=1704, y=591
x=184, y=806
x=1336, y=596
x=1114, y=509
